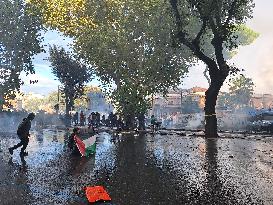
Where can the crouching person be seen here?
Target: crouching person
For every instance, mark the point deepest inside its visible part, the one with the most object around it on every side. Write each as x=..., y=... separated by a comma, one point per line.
x=72, y=143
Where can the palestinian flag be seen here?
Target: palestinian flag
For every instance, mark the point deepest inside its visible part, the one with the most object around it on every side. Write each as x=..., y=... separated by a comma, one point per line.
x=87, y=146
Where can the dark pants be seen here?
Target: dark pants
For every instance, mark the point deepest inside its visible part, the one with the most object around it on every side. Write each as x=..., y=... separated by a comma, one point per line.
x=24, y=143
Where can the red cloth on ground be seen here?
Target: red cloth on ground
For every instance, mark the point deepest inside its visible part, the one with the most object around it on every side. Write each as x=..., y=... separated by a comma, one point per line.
x=96, y=193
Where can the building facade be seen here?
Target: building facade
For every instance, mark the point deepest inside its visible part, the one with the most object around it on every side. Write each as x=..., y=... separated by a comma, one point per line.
x=179, y=101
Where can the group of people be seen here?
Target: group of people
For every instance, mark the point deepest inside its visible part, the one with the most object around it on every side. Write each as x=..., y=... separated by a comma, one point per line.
x=23, y=134
x=95, y=119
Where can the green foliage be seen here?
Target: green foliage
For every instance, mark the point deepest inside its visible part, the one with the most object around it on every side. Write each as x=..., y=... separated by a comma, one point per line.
x=33, y=104
x=129, y=44
x=241, y=91
x=224, y=101
x=135, y=52
x=52, y=99
x=68, y=16
x=72, y=73
x=204, y=22
x=81, y=103
x=211, y=24
x=239, y=95
x=129, y=100
x=19, y=42
x=243, y=36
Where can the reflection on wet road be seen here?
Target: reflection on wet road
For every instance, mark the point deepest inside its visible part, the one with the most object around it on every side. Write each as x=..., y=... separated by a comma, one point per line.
x=139, y=169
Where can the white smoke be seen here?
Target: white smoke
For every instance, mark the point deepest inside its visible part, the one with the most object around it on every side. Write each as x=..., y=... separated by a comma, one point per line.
x=195, y=121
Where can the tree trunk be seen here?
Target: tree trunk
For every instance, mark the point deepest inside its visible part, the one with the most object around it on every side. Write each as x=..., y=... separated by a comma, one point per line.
x=141, y=122
x=129, y=122
x=1, y=107
x=68, y=106
x=210, y=114
x=2, y=102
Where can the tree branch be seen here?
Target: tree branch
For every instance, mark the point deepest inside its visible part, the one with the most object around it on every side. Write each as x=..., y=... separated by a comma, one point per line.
x=181, y=35
x=217, y=15
x=231, y=12
x=196, y=41
x=217, y=43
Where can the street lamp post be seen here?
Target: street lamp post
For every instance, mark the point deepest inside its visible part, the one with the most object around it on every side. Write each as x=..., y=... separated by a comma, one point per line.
x=181, y=95
x=58, y=93
x=57, y=106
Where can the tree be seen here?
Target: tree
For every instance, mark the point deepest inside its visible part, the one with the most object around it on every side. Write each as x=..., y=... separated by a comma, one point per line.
x=241, y=90
x=81, y=103
x=245, y=36
x=118, y=26
x=136, y=53
x=19, y=41
x=68, y=16
x=33, y=103
x=129, y=45
x=201, y=22
x=224, y=101
x=72, y=73
x=51, y=102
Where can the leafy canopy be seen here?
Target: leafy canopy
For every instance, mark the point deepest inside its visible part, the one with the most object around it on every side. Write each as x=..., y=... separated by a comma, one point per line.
x=20, y=40
x=72, y=74
x=129, y=45
x=241, y=91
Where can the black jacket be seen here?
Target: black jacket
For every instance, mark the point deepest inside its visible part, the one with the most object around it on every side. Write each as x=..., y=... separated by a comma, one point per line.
x=24, y=127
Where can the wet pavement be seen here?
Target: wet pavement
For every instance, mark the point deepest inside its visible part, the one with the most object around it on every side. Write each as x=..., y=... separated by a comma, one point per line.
x=140, y=169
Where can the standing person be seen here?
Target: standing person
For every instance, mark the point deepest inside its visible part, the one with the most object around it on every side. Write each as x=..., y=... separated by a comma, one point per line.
x=103, y=120
x=89, y=119
x=110, y=119
x=120, y=124
x=98, y=119
x=82, y=118
x=76, y=118
x=114, y=120
x=153, y=123
x=94, y=118
x=23, y=134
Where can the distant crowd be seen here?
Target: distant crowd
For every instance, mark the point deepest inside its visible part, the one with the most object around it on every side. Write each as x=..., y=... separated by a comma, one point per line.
x=95, y=119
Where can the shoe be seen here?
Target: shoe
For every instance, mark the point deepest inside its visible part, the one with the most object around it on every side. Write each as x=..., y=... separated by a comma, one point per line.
x=23, y=154
x=11, y=151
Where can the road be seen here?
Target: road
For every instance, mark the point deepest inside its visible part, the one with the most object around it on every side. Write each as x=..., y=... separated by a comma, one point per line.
x=140, y=169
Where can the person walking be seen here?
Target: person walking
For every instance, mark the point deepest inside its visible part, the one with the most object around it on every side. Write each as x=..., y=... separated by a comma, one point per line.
x=23, y=134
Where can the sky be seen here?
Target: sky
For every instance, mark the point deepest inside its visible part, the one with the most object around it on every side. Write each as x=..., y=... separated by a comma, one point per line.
x=256, y=59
